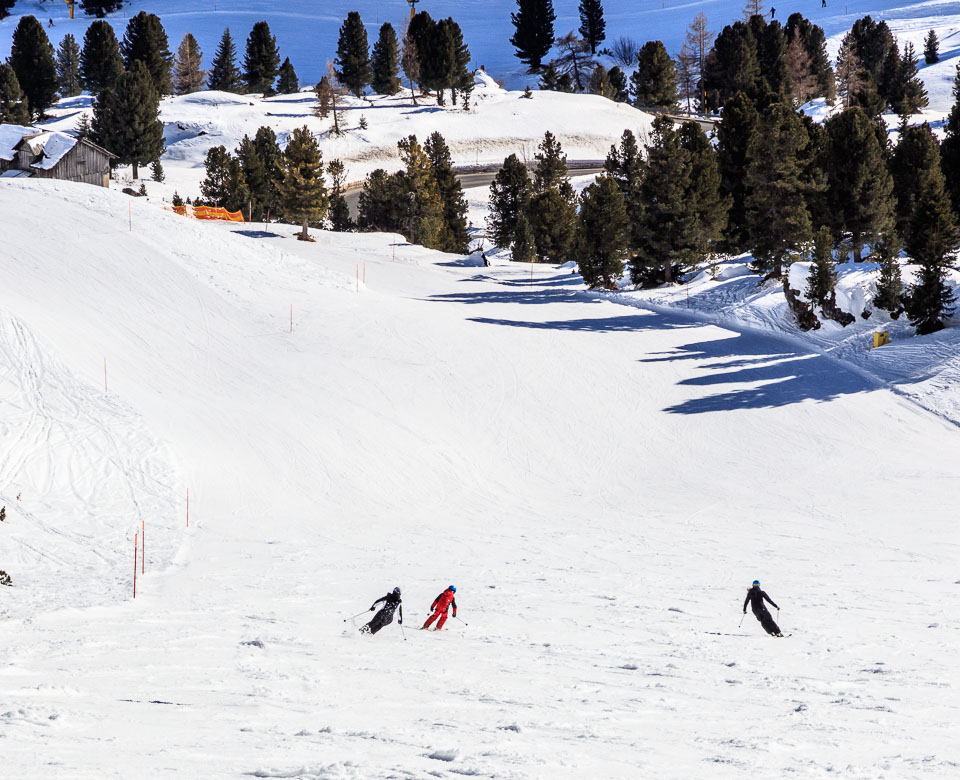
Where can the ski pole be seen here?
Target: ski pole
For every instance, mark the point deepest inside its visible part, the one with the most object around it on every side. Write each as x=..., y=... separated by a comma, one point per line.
x=402, y=632
x=741, y=620
x=462, y=621
x=355, y=616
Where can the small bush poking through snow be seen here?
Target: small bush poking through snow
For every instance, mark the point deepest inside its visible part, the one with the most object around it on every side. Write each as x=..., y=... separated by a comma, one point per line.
x=5, y=578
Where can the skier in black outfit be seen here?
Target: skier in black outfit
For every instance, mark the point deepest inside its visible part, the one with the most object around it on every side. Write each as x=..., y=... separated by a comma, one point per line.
x=755, y=597
x=385, y=616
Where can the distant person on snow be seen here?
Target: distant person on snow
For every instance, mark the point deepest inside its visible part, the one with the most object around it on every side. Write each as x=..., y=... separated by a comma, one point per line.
x=755, y=597
x=391, y=603
x=440, y=606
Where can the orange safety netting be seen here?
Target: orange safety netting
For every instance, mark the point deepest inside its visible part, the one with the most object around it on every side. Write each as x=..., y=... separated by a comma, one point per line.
x=208, y=212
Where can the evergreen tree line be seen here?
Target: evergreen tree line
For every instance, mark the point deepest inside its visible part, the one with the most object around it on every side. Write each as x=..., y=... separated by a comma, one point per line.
x=424, y=201
x=775, y=184
x=270, y=184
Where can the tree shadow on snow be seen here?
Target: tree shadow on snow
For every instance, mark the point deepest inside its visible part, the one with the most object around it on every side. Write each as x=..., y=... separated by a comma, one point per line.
x=257, y=234
x=778, y=376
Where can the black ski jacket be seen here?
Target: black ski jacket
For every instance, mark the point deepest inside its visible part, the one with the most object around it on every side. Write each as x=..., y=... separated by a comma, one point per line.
x=755, y=598
x=391, y=602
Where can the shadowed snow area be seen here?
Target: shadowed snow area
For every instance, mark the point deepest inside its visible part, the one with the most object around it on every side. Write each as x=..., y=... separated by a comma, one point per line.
x=600, y=482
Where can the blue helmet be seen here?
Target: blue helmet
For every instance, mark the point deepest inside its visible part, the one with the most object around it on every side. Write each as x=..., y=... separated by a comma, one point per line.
x=756, y=582
x=452, y=588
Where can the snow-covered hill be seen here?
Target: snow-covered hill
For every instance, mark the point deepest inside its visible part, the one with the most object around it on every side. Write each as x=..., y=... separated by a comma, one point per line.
x=600, y=482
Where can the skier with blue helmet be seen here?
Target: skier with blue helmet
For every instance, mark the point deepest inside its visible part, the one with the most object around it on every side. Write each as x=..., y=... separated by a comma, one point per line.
x=755, y=598
x=440, y=606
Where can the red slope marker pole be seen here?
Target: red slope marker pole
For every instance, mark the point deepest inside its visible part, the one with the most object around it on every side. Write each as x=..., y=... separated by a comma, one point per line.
x=143, y=546
x=134, y=565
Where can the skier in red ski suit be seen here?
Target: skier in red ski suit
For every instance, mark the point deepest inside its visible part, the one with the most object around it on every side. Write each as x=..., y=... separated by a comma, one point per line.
x=440, y=606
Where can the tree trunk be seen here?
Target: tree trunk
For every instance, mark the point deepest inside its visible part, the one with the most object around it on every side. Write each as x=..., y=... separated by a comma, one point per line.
x=413, y=92
x=668, y=272
x=304, y=236
x=135, y=169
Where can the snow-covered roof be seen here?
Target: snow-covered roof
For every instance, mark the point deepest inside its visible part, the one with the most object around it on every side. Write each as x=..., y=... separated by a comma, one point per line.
x=10, y=136
x=50, y=146
x=15, y=173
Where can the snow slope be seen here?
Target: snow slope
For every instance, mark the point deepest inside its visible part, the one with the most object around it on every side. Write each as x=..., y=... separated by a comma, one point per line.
x=600, y=482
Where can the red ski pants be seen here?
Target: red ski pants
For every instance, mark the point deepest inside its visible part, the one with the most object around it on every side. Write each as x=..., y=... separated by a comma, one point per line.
x=438, y=614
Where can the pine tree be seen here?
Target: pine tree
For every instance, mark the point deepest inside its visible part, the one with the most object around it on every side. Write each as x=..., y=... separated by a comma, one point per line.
x=438, y=59
x=353, y=55
x=224, y=74
x=385, y=203
x=509, y=193
x=100, y=8
x=13, y=105
x=461, y=77
x=811, y=37
x=890, y=282
x=915, y=157
x=303, y=191
x=145, y=41
x=552, y=207
x=822, y=280
x=704, y=197
x=801, y=78
x=100, y=61
x=688, y=80
x=777, y=219
x=592, y=25
x=256, y=179
x=524, y=246
x=549, y=78
x=618, y=84
x=931, y=48
x=860, y=188
x=339, y=212
x=221, y=184
x=332, y=91
x=156, y=171
x=323, y=93
x=772, y=55
x=385, y=77
x=533, y=35
x=932, y=241
x=424, y=218
x=732, y=66
x=740, y=121
x=126, y=120
x=83, y=129
x=950, y=148
x=261, y=60
x=270, y=156
x=624, y=164
x=600, y=83
x=32, y=59
x=422, y=31
x=602, y=234
x=68, y=67
x=906, y=92
x=410, y=62
x=187, y=76
x=654, y=82
x=287, y=81
x=454, y=214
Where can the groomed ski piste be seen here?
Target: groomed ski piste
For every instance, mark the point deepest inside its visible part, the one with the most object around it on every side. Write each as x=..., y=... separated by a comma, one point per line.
x=601, y=482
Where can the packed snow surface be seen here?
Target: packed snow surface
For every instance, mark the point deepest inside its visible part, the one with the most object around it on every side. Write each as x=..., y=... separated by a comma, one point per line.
x=600, y=481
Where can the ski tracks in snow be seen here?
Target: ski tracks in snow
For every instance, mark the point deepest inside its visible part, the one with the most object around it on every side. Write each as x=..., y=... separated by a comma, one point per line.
x=88, y=473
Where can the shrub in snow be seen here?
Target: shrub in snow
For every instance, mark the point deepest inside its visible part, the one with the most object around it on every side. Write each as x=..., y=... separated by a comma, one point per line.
x=3, y=514
x=5, y=578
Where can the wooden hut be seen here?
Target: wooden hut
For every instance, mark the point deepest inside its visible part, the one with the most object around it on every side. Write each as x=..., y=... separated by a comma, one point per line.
x=52, y=155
